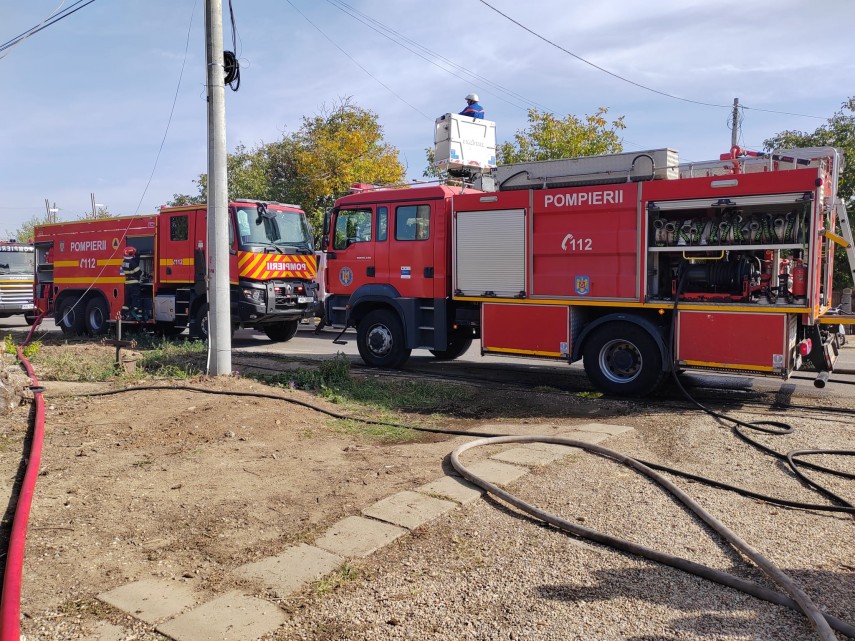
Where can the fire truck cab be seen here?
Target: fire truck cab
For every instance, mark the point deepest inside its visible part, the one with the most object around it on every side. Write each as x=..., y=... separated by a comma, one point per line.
x=633, y=263
x=272, y=267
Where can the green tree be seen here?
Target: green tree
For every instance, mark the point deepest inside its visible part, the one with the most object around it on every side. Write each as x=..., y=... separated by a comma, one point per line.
x=314, y=165
x=99, y=214
x=25, y=232
x=838, y=131
x=548, y=136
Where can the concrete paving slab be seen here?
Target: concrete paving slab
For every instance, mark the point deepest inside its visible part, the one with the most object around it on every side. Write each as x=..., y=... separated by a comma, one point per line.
x=151, y=600
x=231, y=617
x=530, y=455
x=408, y=509
x=611, y=430
x=355, y=536
x=497, y=473
x=289, y=571
x=454, y=488
x=105, y=631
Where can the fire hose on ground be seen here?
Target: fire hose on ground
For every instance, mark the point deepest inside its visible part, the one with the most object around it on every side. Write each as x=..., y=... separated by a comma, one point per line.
x=795, y=598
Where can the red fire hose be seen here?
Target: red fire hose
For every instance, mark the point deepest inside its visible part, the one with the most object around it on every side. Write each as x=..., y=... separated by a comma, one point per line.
x=10, y=602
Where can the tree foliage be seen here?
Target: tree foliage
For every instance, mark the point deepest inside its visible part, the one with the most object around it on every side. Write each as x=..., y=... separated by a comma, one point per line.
x=314, y=165
x=548, y=136
x=25, y=233
x=838, y=131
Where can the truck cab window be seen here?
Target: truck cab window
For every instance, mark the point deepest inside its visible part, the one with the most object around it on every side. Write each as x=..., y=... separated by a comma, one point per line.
x=178, y=228
x=352, y=226
x=412, y=222
x=382, y=223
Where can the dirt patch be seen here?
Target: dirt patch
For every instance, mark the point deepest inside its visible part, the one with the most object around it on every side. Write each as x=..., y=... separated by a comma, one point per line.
x=187, y=485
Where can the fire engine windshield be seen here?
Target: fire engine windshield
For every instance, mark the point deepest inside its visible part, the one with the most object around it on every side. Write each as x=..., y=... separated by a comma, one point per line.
x=16, y=262
x=271, y=228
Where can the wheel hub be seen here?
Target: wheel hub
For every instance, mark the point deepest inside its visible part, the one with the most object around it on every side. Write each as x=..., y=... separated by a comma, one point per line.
x=379, y=340
x=620, y=361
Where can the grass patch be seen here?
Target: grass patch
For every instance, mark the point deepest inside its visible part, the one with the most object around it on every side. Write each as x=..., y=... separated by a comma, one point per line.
x=10, y=347
x=95, y=362
x=336, y=579
x=166, y=358
x=333, y=381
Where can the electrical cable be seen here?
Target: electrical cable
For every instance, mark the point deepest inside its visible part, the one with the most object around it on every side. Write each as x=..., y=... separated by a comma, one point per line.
x=131, y=219
x=346, y=417
x=632, y=82
x=768, y=427
x=231, y=65
x=68, y=11
x=797, y=599
x=353, y=60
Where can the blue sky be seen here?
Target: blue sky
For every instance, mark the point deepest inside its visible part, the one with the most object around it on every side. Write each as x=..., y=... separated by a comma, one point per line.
x=86, y=101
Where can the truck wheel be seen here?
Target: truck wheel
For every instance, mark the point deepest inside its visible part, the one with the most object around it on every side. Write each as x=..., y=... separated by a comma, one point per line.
x=30, y=319
x=380, y=339
x=70, y=317
x=199, y=328
x=96, y=317
x=280, y=332
x=623, y=359
x=458, y=343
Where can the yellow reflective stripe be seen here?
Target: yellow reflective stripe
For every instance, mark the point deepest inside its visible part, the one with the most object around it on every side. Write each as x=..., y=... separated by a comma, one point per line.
x=109, y=261
x=88, y=279
x=170, y=262
x=66, y=263
x=747, y=368
x=508, y=350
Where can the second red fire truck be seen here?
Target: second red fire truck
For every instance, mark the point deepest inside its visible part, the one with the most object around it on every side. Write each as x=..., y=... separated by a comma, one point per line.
x=272, y=270
x=633, y=263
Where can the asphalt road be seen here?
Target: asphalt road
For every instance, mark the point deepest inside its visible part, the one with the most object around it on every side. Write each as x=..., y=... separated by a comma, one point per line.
x=506, y=369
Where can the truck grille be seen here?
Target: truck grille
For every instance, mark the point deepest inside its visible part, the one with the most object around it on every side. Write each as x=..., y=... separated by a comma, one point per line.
x=287, y=294
x=16, y=291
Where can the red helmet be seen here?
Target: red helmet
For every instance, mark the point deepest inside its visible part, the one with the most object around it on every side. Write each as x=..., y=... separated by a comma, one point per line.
x=130, y=251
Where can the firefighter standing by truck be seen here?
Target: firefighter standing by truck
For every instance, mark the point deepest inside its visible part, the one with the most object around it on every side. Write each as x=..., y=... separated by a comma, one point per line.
x=132, y=272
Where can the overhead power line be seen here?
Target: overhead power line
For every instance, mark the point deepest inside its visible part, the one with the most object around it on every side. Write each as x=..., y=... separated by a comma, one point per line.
x=632, y=82
x=44, y=24
x=172, y=110
x=432, y=57
x=354, y=61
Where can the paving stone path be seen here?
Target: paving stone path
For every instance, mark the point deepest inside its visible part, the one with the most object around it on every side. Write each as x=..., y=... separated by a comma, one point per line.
x=179, y=613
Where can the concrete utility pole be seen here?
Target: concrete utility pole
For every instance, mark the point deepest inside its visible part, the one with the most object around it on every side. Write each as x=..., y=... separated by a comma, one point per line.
x=734, y=132
x=219, y=317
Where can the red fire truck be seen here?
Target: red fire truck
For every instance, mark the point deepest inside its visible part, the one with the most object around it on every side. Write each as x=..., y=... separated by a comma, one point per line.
x=634, y=263
x=272, y=267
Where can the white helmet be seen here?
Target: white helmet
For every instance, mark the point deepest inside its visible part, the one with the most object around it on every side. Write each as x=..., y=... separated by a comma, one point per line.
x=472, y=96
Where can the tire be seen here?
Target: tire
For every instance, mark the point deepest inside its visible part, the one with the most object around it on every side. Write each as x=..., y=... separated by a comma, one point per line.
x=380, y=339
x=623, y=359
x=458, y=343
x=199, y=327
x=280, y=332
x=96, y=317
x=70, y=317
x=30, y=319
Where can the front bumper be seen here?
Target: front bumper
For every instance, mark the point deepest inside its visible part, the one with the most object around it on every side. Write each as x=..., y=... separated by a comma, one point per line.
x=280, y=301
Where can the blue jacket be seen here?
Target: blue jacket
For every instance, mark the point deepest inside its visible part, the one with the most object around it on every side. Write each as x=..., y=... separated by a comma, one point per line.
x=474, y=110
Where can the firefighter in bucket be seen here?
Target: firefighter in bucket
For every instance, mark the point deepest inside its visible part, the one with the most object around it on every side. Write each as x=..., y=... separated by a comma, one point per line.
x=132, y=272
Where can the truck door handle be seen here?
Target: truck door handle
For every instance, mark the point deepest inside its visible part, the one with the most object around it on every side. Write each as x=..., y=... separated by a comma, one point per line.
x=428, y=272
x=331, y=256
x=169, y=270
x=369, y=271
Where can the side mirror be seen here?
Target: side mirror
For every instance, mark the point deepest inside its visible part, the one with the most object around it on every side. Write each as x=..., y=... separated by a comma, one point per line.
x=325, y=241
x=327, y=219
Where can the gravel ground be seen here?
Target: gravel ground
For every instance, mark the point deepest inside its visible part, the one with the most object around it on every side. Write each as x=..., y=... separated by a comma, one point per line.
x=486, y=571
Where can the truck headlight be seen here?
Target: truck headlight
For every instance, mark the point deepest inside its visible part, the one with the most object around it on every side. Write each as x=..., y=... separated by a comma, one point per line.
x=254, y=296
